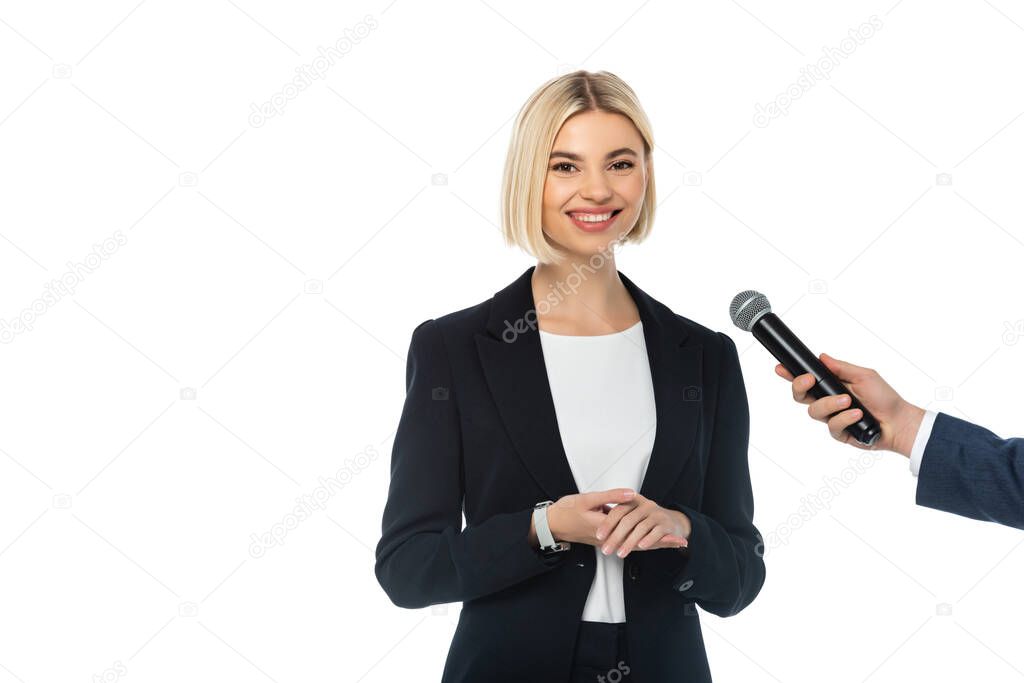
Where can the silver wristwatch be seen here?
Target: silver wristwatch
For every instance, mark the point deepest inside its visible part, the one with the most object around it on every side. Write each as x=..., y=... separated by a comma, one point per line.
x=548, y=544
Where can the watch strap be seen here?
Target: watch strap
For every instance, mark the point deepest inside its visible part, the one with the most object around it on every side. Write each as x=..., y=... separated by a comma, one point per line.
x=540, y=524
x=547, y=541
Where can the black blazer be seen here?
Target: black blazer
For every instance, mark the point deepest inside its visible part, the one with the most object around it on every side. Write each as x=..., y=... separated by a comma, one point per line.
x=478, y=435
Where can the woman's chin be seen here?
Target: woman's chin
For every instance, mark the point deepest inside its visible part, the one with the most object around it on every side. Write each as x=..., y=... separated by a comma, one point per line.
x=585, y=245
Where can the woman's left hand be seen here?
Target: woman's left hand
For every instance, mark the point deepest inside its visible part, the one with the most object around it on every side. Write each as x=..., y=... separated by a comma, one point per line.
x=642, y=524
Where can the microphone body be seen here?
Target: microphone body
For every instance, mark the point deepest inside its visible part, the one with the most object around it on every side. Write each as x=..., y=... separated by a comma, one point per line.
x=780, y=341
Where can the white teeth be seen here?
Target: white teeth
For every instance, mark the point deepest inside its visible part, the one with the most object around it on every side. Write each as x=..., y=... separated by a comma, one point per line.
x=592, y=217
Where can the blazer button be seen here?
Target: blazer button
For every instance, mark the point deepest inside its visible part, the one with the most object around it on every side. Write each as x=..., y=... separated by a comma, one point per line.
x=634, y=571
x=686, y=585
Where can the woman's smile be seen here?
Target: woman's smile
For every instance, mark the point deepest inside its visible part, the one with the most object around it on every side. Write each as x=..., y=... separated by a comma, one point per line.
x=589, y=220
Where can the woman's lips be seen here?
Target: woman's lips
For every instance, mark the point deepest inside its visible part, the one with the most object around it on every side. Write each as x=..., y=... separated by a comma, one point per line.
x=592, y=225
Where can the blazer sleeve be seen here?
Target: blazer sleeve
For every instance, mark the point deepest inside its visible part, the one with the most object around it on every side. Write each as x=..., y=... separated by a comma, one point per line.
x=424, y=556
x=723, y=566
x=969, y=471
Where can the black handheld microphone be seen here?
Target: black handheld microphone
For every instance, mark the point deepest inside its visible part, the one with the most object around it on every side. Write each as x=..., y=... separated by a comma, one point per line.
x=751, y=312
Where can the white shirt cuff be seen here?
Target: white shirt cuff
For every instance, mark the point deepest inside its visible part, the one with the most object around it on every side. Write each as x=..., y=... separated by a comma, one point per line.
x=923, y=432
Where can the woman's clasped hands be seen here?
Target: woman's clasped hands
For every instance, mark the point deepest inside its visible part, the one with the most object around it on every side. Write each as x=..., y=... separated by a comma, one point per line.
x=617, y=520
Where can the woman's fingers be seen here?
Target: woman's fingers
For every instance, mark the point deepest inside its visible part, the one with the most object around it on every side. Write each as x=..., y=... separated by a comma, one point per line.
x=666, y=541
x=651, y=539
x=646, y=536
x=673, y=541
x=622, y=529
x=642, y=528
x=611, y=520
x=658, y=537
x=597, y=499
x=637, y=525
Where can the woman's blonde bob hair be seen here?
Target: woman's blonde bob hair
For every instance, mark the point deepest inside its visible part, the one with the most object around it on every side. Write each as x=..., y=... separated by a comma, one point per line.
x=533, y=135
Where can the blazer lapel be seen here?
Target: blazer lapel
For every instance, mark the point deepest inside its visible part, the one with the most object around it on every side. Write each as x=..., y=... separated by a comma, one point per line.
x=513, y=362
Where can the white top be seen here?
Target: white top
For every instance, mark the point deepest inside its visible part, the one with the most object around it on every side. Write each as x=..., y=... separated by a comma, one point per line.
x=604, y=405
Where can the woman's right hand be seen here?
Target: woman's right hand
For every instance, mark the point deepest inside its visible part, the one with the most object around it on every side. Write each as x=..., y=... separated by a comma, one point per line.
x=576, y=517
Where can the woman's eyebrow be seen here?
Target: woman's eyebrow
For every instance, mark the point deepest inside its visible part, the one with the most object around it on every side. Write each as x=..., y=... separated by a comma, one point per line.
x=609, y=155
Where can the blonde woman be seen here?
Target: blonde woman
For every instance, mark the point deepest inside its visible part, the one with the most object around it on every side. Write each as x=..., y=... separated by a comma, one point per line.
x=595, y=440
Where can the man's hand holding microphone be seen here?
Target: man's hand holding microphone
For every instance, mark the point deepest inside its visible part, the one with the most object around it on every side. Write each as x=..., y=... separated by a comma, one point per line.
x=898, y=418
x=962, y=468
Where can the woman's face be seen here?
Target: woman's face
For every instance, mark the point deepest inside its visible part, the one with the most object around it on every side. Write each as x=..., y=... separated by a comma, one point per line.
x=597, y=166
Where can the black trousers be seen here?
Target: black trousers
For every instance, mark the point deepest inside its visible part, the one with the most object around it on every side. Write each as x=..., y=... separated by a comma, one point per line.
x=600, y=655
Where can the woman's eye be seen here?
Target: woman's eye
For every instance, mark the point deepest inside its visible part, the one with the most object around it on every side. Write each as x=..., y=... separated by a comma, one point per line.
x=566, y=167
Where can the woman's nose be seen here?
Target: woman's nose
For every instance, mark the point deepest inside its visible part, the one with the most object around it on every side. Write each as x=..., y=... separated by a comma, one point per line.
x=596, y=189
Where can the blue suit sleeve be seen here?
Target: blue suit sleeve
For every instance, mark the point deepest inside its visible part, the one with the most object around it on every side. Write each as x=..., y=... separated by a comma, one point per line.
x=969, y=471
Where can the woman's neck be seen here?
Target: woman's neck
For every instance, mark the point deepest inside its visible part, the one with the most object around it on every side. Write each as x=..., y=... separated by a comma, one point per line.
x=580, y=299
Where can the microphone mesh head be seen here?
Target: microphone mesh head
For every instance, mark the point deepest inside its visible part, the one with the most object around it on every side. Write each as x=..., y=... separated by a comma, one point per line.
x=747, y=307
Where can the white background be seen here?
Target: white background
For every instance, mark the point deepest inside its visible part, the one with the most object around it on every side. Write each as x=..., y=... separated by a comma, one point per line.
x=248, y=337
